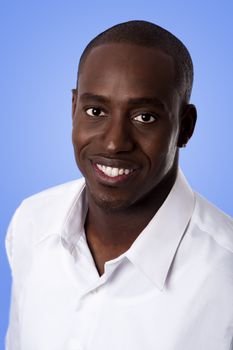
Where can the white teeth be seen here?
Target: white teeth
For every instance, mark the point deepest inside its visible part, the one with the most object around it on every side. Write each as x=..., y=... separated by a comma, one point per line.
x=99, y=166
x=113, y=172
x=108, y=171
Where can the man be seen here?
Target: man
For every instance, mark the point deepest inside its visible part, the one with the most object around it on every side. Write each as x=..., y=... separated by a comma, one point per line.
x=130, y=257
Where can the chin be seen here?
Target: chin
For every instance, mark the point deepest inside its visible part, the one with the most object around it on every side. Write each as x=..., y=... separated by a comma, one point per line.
x=111, y=204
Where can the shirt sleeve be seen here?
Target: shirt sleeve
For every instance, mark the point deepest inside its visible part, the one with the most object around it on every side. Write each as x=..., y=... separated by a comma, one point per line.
x=12, y=336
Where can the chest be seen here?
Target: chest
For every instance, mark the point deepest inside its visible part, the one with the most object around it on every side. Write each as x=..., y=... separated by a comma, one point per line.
x=63, y=307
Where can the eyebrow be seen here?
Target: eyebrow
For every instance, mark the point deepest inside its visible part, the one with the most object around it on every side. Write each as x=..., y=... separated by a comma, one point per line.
x=90, y=96
x=131, y=101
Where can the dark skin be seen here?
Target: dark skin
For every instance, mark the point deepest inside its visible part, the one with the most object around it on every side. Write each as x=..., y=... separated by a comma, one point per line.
x=128, y=113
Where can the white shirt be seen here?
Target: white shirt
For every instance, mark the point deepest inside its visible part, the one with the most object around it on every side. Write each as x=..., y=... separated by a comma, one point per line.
x=172, y=290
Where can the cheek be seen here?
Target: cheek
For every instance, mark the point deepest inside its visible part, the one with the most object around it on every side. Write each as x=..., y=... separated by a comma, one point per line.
x=85, y=130
x=161, y=148
x=170, y=151
x=85, y=140
x=79, y=140
x=80, y=135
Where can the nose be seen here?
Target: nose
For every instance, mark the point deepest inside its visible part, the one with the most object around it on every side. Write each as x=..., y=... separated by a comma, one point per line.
x=118, y=136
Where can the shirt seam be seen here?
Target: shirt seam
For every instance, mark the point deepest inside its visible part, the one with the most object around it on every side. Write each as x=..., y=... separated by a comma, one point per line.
x=205, y=230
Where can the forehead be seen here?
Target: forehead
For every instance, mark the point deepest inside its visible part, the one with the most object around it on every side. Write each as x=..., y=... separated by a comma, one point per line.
x=131, y=69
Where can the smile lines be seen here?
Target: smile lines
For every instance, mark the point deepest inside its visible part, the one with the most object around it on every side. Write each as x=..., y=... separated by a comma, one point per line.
x=113, y=172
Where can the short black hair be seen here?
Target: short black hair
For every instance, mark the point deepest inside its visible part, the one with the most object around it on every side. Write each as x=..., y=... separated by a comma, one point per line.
x=148, y=34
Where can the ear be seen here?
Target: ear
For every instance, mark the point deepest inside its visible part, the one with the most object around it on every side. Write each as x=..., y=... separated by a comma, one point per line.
x=187, y=124
x=74, y=101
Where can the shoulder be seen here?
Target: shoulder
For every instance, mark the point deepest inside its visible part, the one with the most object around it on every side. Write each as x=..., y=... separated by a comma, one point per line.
x=211, y=234
x=214, y=223
x=63, y=193
x=207, y=250
x=52, y=202
x=49, y=206
x=40, y=215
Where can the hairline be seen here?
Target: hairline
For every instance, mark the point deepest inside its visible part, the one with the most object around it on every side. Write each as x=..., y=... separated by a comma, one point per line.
x=163, y=40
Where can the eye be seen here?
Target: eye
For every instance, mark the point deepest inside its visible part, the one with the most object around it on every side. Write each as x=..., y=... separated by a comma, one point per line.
x=95, y=112
x=145, y=118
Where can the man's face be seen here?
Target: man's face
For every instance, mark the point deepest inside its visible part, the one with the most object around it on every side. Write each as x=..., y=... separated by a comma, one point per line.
x=126, y=123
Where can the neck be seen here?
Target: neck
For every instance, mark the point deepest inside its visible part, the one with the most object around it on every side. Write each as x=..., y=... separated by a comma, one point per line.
x=111, y=233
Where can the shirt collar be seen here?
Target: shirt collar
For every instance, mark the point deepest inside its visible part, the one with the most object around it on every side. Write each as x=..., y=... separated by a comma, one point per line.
x=155, y=248
x=73, y=226
x=68, y=216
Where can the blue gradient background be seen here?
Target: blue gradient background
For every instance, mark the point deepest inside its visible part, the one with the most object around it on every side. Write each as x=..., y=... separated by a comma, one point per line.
x=41, y=42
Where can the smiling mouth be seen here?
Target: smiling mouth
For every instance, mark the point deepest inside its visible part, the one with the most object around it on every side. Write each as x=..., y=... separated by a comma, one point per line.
x=113, y=171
